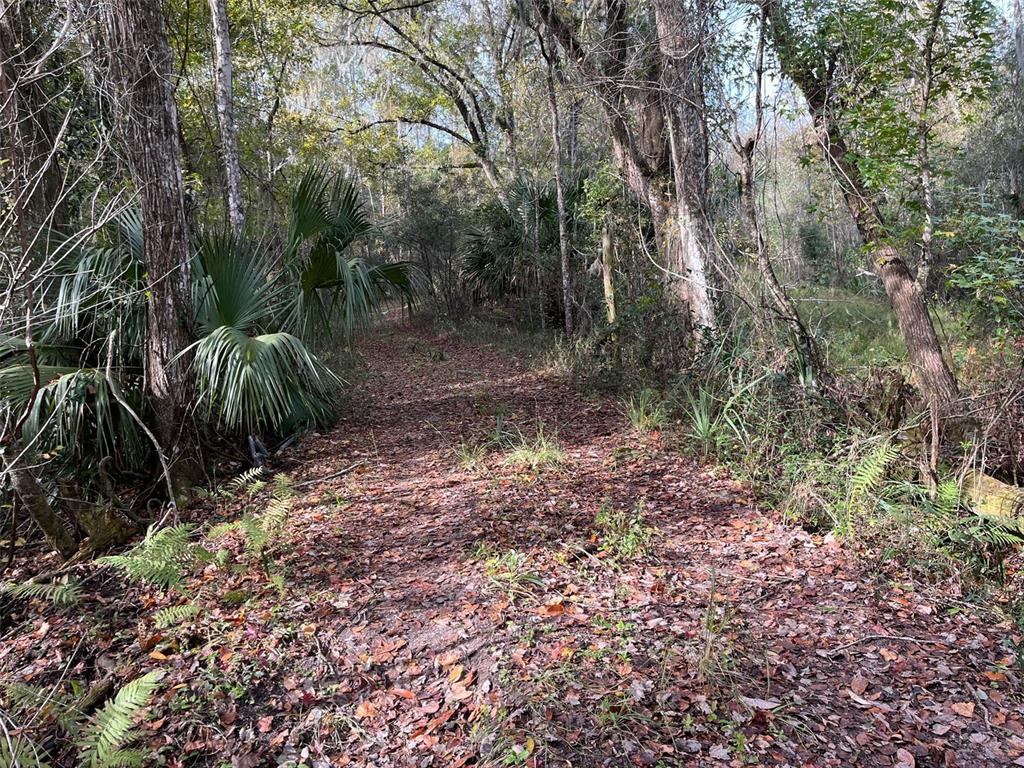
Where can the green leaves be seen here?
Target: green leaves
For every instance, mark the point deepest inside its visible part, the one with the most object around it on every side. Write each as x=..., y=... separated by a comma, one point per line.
x=158, y=559
x=334, y=291
x=103, y=740
x=253, y=383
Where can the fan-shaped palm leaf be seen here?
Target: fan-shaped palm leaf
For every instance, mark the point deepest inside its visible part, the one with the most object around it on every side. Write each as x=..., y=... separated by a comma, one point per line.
x=252, y=383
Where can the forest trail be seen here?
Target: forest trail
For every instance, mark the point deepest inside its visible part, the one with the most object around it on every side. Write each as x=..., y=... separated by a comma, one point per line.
x=422, y=611
x=483, y=612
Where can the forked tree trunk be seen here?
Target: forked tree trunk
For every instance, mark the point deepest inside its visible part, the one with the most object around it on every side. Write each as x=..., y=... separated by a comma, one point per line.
x=148, y=118
x=226, y=113
x=667, y=111
x=682, y=31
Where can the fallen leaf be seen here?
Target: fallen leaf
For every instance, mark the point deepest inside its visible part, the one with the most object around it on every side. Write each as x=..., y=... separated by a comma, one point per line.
x=963, y=708
x=763, y=704
x=265, y=724
x=366, y=709
x=859, y=684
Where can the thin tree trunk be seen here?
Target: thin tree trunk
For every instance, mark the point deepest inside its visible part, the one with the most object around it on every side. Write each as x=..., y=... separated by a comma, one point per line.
x=148, y=120
x=225, y=113
x=784, y=305
x=564, y=246
x=926, y=79
x=1018, y=37
x=38, y=507
x=608, y=266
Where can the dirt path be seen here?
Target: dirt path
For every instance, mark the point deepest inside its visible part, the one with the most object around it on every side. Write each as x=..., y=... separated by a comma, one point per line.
x=436, y=607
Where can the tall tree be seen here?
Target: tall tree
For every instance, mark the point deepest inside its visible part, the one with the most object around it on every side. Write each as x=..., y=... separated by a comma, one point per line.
x=141, y=69
x=564, y=245
x=747, y=148
x=814, y=66
x=657, y=122
x=222, y=81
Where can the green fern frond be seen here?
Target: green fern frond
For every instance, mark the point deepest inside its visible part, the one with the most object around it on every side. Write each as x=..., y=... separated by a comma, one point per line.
x=947, y=498
x=127, y=758
x=222, y=529
x=47, y=703
x=176, y=614
x=57, y=593
x=283, y=486
x=21, y=752
x=110, y=729
x=246, y=481
x=870, y=471
x=158, y=559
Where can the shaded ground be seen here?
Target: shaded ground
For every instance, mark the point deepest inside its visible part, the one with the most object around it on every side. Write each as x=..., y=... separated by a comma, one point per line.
x=438, y=606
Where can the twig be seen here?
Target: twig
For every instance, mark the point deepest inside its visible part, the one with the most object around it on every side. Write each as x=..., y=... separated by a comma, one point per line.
x=339, y=473
x=868, y=638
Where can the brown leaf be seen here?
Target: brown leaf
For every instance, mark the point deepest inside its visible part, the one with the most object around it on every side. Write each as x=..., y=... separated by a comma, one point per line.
x=265, y=724
x=963, y=708
x=859, y=684
x=762, y=704
x=366, y=709
x=905, y=758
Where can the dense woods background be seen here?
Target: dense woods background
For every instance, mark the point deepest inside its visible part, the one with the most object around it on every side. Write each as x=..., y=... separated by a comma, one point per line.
x=788, y=234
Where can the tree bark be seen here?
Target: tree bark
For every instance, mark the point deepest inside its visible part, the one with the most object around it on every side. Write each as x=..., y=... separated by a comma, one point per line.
x=682, y=31
x=148, y=120
x=38, y=507
x=608, y=266
x=646, y=116
x=747, y=149
x=932, y=375
x=225, y=113
x=564, y=246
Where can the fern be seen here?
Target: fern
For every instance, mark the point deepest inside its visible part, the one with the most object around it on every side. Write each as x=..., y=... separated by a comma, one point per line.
x=103, y=739
x=947, y=499
x=58, y=593
x=251, y=481
x=222, y=529
x=283, y=486
x=21, y=752
x=869, y=472
x=176, y=614
x=158, y=559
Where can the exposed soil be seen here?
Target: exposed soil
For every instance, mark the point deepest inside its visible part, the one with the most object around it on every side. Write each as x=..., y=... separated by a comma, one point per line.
x=421, y=610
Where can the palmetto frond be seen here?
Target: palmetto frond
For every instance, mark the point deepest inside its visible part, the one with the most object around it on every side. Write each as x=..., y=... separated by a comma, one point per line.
x=75, y=412
x=252, y=383
x=335, y=290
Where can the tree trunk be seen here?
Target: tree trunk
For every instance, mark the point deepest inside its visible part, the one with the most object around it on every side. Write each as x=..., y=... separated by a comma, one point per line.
x=608, y=265
x=783, y=304
x=38, y=507
x=564, y=246
x=682, y=32
x=932, y=375
x=141, y=65
x=27, y=107
x=668, y=111
x=1018, y=37
x=225, y=113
